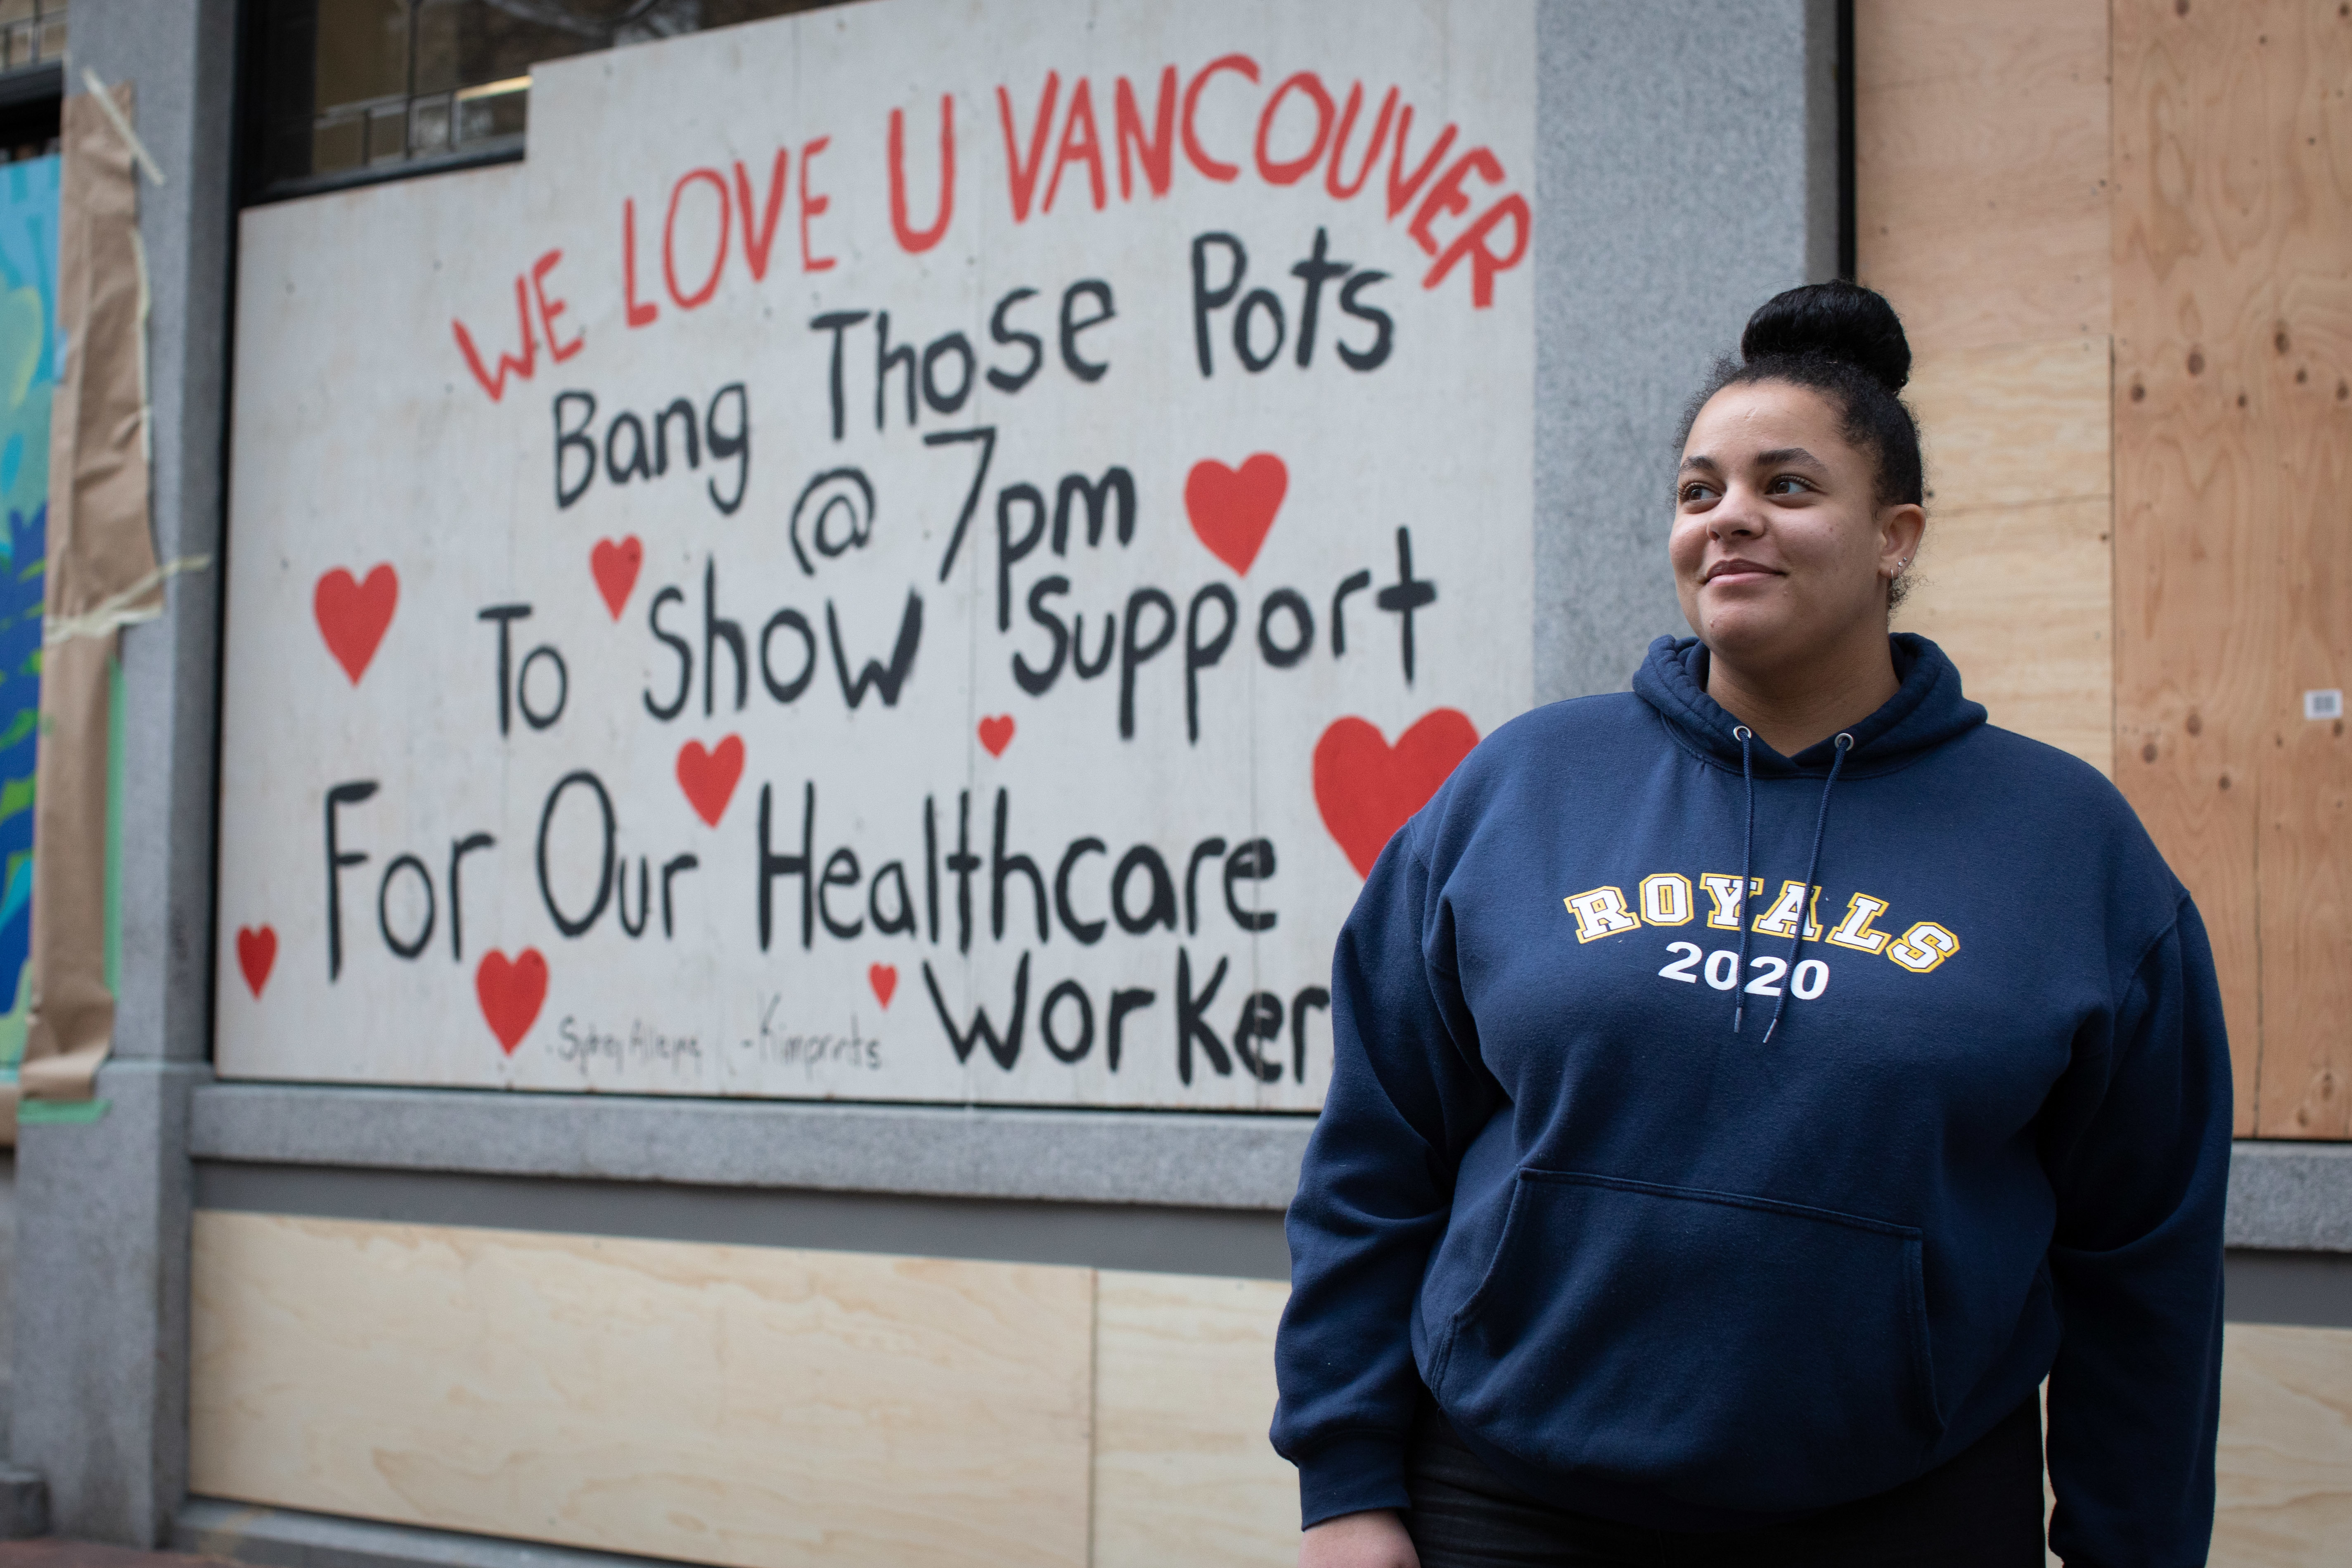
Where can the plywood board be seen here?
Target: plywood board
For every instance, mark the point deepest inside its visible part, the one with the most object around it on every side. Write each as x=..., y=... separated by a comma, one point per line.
x=2014, y=424
x=1981, y=167
x=751, y=1406
x=1184, y=1392
x=2233, y=346
x=2014, y=579
x=2285, y=1466
x=2018, y=597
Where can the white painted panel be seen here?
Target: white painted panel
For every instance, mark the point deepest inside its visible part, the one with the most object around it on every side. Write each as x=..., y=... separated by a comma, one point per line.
x=363, y=438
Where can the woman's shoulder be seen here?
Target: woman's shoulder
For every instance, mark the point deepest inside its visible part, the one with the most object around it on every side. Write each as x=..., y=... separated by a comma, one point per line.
x=1540, y=751
x=2069, y=809
x=2061, y=779
x=1554, y=735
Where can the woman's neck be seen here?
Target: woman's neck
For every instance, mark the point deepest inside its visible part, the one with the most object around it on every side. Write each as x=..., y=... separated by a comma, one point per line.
x=1791, y=709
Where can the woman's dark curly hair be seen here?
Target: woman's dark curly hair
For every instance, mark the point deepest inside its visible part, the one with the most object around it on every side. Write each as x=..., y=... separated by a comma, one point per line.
x=1844, y=342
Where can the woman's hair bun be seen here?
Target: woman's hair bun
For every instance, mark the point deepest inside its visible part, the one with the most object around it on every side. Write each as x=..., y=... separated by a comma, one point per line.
x=1838, y=321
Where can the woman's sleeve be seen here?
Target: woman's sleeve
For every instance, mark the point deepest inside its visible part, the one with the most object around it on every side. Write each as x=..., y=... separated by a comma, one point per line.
x=1408, y=1092
x=2137, y=1260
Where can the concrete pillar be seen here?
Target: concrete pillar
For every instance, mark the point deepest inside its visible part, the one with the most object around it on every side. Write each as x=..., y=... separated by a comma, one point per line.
x=101, y=1309
x=1686, y=171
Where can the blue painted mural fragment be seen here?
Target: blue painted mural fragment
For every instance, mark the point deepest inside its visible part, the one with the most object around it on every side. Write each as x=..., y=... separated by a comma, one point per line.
x=30, y=354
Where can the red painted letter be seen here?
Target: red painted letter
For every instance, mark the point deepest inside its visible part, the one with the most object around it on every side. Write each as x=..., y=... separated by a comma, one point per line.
x=1372, y=150
x=497, y=386
x=1483, y=263
x=1088, y=150
x=1292, y=170
x=811, y=205
x=550, y=308
x=760, y=229
x=639, y=314
x=1447, y=196
x=1401, y=193
x=1023, y=177
x=1158, y=155
x=1219, y=172
x=913, y=240
x=669, y=241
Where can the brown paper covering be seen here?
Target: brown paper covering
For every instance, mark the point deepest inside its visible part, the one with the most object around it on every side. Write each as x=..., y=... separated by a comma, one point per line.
x=100, y=549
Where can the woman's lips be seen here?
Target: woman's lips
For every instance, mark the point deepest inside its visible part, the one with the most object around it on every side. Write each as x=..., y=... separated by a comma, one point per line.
x=1736, y=574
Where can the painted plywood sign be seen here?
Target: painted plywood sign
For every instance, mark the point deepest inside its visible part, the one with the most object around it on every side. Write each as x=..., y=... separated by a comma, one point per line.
x=914, y=551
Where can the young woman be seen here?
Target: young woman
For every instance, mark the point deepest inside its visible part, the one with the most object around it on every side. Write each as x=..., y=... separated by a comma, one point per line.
x=1750, y=1088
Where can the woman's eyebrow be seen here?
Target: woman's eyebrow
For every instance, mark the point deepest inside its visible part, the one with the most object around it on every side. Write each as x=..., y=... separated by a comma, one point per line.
x=1700, y=460
x=1787, y=454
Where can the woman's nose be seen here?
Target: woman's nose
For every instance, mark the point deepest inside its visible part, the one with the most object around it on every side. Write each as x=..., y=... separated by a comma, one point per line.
x=1735, y=518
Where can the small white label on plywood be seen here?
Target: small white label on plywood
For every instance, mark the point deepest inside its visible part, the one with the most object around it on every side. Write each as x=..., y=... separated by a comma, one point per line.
x=2327, y=704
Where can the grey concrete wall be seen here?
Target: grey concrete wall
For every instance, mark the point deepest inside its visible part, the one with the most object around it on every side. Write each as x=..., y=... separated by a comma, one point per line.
x=1061, y=1156
x=100, y=1397
x=180, y=58
x=2291, y=1197
x=1686, y=172
x=100, y=1391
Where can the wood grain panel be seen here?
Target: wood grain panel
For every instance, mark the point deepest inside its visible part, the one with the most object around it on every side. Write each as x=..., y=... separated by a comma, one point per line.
x=2284, y=1469
x=2018, y=597
x=750, y=1406
x=1183, y=1394
x=2015, y=576
x=1981, y=167
x=2233, y=342
x=2014, y=424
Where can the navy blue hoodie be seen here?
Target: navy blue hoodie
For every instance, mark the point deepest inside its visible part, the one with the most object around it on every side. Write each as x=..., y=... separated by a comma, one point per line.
x=1702, y=1212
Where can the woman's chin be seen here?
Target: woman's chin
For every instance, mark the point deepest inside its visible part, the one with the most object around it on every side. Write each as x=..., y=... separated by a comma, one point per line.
x=1746, y=633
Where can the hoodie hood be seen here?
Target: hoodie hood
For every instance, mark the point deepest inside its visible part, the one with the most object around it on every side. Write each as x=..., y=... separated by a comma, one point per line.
x=1928, y=710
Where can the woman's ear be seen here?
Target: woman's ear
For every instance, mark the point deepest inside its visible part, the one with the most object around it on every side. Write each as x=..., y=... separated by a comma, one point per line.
x=1900, y=529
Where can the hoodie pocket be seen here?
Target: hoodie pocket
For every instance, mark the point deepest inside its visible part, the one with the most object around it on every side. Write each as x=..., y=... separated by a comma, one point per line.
x=1721, y=1348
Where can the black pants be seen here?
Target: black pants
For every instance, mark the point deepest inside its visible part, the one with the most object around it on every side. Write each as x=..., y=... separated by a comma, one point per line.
x=1983, y=1508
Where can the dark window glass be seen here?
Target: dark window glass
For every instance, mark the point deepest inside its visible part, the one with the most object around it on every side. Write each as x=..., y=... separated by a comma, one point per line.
x=346, y=90
x=32, y=77
x=32, y=33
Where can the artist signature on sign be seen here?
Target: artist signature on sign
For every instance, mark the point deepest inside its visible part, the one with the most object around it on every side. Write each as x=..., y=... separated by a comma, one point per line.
x=644, y=1044
x=779, y=1044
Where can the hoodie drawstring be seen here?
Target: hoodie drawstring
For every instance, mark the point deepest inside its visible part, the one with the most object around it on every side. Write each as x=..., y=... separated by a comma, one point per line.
x=1812, y=868
x=1746, y=866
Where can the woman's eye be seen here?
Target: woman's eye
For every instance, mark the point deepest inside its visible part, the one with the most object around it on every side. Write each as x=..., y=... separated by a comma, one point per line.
x=1787, y=485
x=1694, y=493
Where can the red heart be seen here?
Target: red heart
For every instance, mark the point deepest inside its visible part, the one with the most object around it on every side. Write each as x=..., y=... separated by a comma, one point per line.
x=511, y=993
x=708, y=777
x=883, y=978
x=257, y=949
x=1232, y=509
x=354, y=616
x=1367, y=789
x=996, y=734
x=615, y=569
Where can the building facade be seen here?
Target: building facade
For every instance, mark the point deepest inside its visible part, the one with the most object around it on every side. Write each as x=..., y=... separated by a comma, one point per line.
x=997, y=511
